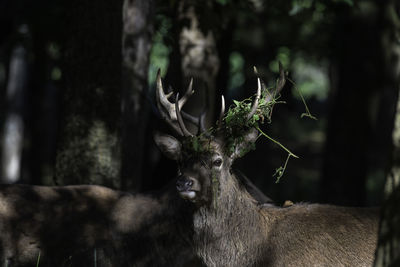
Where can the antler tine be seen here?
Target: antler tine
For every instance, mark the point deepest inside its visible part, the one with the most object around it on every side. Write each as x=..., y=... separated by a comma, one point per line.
x=162, y=99
x=282, y=79
x=221, y=114
x=179, y=117
x=166, y=108
x=183, y=100
x=171, y=112
x=256, y=100
x=280, y=84
x=190, y=118
x=200, y=120
x=189, y=92
x=201, y=126
x=171, y=92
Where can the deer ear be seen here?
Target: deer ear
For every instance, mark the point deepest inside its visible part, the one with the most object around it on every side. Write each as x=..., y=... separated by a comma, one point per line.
x=168, y=145
x=246, y=145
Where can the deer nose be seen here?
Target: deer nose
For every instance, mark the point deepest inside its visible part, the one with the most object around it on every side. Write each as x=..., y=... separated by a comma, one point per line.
x=184, y=183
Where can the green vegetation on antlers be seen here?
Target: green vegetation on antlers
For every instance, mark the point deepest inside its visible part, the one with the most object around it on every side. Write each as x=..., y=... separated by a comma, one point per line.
x=236, y=125
x=197, y=145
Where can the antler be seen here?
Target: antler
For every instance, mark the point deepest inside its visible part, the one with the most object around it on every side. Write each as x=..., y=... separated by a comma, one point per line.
x=200, y=120
x=179, y=117
x=170, y=111
x=279, y=86
x=221, y=114
x=173, y=115
x=256, y=100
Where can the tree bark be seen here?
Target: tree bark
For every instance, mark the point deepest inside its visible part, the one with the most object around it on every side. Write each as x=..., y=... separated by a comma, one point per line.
x=88, y=145
x=388, y=250
x=136, y=44
x=198, y=60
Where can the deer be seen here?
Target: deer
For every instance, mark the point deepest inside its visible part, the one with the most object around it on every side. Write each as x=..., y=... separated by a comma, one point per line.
x=92, y=225
x=208, y=215
x=229, y=227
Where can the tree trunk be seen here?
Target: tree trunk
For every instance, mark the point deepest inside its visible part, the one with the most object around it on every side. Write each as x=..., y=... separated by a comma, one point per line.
x=388, y=250
x=13, y=133
x=136, y=44
x=88, y=144
x=353, y=108
x=199, y=60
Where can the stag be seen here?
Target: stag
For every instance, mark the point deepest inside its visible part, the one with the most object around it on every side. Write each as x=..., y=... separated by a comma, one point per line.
x=88, y=225
x=208, y=212
x=230, y=228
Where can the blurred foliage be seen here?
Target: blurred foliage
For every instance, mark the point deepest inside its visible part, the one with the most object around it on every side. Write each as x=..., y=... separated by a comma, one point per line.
x=311, y=77
x=159, y=54
x=53, y=50
x=299, y=5
x=236, y=70
x=297, y=33
x=283, y=55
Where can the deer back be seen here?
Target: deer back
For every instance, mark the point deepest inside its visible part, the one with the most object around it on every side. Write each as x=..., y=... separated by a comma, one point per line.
x=320, y=235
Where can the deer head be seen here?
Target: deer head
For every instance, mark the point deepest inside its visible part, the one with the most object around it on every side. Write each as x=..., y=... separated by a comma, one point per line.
x=205, y=159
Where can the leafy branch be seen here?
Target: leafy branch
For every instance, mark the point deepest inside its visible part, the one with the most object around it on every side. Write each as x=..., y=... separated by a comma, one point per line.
x=276, y=142
x=281, y=170
x=307, y=113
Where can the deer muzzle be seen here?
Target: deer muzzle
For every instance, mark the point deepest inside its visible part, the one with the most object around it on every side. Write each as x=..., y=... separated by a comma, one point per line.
x=187, y=187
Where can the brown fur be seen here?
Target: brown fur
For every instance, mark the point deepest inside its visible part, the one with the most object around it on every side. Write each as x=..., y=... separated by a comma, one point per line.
x=78, y=225
x=73, y=225
x=232, y=229
x=224, y=225
x=242, y=233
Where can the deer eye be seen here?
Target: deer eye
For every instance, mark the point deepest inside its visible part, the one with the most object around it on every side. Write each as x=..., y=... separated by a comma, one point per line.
x=217, y=162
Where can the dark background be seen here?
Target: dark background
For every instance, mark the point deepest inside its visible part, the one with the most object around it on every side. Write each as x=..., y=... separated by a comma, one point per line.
x=77, y=83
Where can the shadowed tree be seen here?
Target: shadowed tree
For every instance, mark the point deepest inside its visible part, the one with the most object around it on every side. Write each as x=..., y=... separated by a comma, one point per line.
x=88, y=144
x=388, y=251
x=136, y=44
x=354, y=88
x=13, y=132
x=197, y=56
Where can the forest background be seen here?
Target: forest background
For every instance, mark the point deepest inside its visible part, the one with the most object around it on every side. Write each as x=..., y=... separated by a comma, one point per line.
x=77, y=86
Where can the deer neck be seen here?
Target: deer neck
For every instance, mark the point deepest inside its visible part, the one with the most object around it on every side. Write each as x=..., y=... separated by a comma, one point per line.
x=230, y=232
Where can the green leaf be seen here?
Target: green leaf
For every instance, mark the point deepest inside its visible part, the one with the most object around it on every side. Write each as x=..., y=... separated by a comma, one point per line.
x=237, y=103
x=278, y=174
